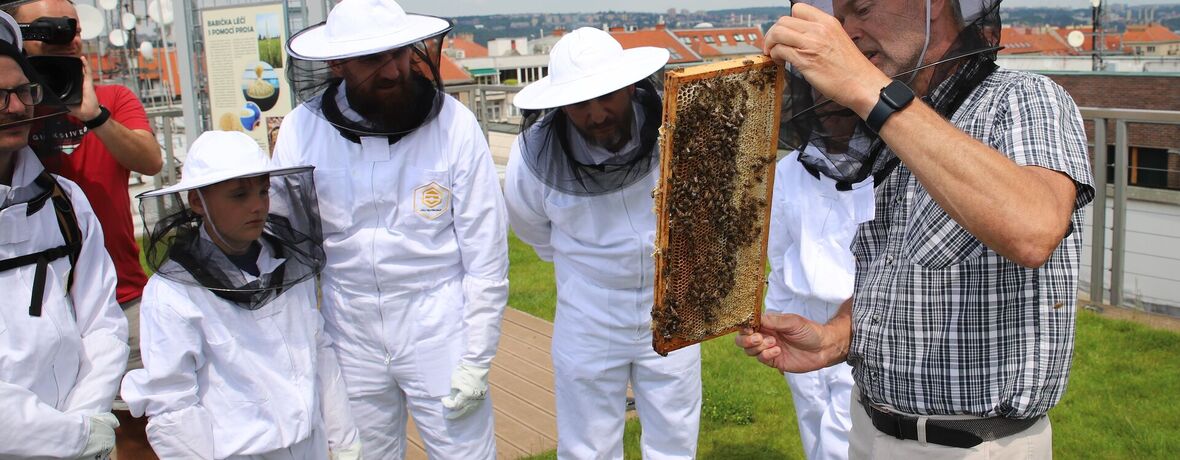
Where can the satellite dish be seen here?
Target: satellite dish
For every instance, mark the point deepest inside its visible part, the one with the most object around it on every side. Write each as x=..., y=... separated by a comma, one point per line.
x=108, y=4
x=147, y=50
x=118, y=37
x=160, y=11
x=92, y=21
x=129, y=21
x=1075, y=39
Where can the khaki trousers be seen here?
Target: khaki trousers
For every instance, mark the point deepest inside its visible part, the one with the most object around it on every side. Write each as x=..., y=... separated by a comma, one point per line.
x=866, y=442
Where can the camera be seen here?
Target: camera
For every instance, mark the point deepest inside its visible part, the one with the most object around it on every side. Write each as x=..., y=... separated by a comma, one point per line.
x=57, y=31
x=62, y=75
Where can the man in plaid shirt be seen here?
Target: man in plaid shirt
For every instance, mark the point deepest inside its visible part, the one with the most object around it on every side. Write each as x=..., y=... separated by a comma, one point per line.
x=961, y=325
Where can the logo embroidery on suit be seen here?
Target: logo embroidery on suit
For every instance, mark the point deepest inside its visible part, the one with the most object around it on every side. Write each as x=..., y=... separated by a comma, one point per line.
x=432, y=200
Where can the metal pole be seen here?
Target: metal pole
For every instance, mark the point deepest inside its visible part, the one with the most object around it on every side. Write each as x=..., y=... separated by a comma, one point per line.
x=1118, y=240
x=166, y=64
x=483, y=111
x=169, y=155
x=1098, y=224
x=182, y=16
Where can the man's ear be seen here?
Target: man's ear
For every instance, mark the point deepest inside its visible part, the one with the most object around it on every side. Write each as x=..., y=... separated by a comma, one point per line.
x=337, y=68
x=194, y=202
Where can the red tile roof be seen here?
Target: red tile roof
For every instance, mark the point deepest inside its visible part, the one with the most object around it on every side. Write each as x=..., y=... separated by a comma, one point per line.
x=1023, y=40
x=1149, y=33
x=453, y=73
x=470, y=49
x=660, y=38
x=706, y=49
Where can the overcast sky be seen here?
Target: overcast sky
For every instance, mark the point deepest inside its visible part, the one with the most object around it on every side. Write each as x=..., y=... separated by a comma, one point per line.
x=479, y=7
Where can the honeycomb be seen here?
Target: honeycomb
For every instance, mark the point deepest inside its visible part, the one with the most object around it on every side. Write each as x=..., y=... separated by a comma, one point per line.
x=718, y=143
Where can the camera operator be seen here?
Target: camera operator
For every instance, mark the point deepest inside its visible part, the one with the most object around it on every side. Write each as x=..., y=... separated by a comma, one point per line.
x=118, y=140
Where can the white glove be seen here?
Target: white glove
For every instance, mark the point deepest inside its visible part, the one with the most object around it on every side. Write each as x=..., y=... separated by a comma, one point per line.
x=352, y=452
x=102, y=437
x=469, y=387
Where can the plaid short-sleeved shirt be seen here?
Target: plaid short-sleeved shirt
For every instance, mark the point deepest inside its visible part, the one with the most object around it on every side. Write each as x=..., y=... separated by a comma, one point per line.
x=942, y=324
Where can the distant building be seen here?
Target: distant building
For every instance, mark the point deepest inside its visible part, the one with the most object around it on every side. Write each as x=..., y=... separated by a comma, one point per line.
x=659, y=37
x=1140, y=40
x=452, y=73
x=1152, y=39
x=463, y=46
x=1045, y=41
x=518, y=46
x=715, y=44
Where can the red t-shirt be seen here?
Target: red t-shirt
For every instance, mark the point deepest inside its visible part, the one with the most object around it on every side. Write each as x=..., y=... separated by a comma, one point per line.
x=104, y=181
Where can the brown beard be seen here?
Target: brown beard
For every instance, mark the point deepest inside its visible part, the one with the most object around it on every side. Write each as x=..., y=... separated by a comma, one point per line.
x=621, y=136
x=393, y=114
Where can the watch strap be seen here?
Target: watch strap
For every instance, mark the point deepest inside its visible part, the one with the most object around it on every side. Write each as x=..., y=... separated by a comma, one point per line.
x=894, y=96
x=103, y=115
x=879, y=114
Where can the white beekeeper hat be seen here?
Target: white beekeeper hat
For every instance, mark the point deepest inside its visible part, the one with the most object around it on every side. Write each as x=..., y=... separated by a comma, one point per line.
x=362, y=27
x=218, y=156
x=588, y=63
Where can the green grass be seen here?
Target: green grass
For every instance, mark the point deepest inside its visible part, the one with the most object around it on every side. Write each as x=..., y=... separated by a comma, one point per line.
x=536, y=292
x=270, y=51
x=1119, y=403
x=1120, y=399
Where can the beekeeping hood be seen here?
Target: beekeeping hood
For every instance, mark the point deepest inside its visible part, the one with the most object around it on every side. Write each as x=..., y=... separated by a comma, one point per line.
x=181, y=248
x=850, y=150
x=583, y=65
x=369, y=29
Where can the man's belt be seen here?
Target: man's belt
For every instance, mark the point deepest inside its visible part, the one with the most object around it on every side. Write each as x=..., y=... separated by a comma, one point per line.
x=954, y=433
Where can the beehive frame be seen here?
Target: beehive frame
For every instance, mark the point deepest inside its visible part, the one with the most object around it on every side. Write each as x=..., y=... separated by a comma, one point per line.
x=713, y=203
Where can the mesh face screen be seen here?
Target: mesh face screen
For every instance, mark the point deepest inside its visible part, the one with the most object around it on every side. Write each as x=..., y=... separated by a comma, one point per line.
x=717, y=151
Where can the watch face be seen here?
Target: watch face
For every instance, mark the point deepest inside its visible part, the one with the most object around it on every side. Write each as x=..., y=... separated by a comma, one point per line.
x=897, y=94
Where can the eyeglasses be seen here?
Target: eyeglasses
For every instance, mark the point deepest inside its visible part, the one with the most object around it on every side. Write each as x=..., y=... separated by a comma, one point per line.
x=29, y=94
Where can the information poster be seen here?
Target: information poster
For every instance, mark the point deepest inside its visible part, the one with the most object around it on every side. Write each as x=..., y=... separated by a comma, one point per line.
x=244, y=58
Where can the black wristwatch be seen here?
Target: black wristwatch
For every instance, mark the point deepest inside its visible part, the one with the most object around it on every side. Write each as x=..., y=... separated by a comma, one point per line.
x=103, y=116
x=893, y=98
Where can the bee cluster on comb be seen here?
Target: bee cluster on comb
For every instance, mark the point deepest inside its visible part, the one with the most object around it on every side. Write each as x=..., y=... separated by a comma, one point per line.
x=718, y=144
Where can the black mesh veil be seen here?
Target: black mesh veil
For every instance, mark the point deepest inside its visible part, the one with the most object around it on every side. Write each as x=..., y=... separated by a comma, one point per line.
x=322, y=90
x=179, y=246
x=851, y=151
x=545, y=148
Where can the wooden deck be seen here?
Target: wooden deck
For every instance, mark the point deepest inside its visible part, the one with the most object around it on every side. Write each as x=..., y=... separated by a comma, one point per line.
x=521, y=388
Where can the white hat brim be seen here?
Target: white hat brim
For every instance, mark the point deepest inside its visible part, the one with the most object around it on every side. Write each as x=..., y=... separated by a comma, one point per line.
x=186, y=184
x=635, y=65
x=312, y=43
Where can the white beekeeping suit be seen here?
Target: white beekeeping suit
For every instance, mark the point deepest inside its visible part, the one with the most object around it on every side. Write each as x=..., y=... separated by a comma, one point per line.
x=236, y=361
x=63, y=337
x=589, y=210
x=811, y=273
x=414, y=225
x=59, y=372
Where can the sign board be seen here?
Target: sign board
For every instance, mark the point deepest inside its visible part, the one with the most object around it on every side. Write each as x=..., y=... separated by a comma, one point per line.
x=246, y=64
